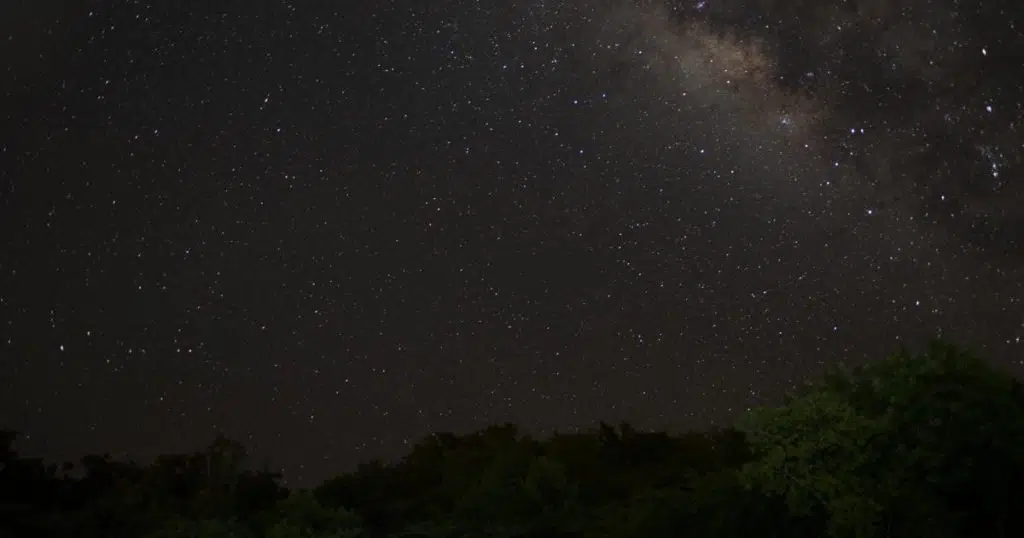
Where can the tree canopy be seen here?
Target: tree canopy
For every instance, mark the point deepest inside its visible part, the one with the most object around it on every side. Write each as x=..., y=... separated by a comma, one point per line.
x=917, y=444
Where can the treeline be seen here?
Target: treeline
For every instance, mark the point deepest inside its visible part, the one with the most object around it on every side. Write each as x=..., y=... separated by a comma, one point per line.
x=916, y=445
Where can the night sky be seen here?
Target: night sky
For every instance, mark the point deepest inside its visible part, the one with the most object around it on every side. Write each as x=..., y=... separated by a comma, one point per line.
x=327, y=229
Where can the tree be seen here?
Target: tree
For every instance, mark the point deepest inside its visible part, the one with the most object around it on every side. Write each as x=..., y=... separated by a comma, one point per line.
x=7, y=452
x=200, y=528
x=929, y=444
x=520, y=494
x=302, y=516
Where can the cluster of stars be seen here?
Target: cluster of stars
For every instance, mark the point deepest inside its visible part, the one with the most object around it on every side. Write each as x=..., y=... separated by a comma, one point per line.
x=349, y=227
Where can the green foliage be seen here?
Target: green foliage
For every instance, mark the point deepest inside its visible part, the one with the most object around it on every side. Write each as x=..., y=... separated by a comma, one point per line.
x=200, y=528
x=431, y=529
x=894, y=446
x=288, y=529
x=519, y=493
x=928, y=444
x=302, y=515
x=659, y=512
x=812, y=451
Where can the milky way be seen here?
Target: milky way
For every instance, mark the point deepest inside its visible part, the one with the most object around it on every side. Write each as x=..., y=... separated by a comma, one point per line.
x=327, y=230
x=922, y=101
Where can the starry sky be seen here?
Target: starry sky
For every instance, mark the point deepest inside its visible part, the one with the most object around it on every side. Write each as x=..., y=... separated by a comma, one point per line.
x=327, y=229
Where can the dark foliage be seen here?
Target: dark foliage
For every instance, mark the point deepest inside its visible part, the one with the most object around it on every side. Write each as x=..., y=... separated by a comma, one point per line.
x=915, y=445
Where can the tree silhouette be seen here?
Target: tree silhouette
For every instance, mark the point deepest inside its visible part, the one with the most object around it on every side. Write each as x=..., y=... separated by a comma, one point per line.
x=928, y=444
